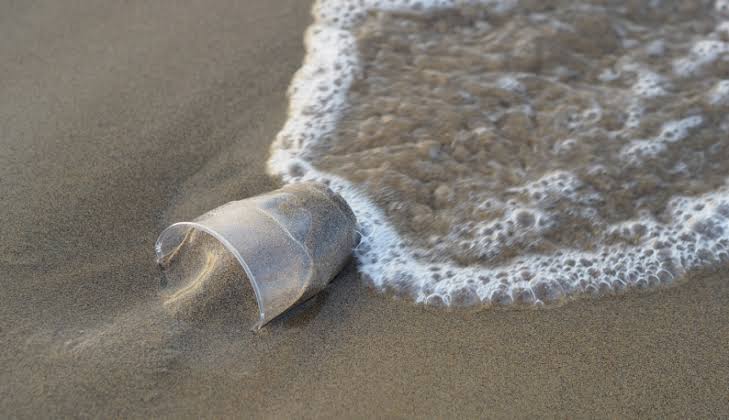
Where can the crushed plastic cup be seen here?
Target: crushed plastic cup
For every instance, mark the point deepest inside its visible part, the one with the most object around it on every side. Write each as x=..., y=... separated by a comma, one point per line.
x=290, y=243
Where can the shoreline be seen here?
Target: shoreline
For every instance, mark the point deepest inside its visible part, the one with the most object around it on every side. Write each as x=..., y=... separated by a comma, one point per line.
x=179, y=122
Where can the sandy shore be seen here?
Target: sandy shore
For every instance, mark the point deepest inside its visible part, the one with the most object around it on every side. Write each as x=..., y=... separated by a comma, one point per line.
x=119, y=118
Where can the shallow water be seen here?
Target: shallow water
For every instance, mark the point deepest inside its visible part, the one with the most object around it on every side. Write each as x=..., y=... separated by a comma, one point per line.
x=519, y=151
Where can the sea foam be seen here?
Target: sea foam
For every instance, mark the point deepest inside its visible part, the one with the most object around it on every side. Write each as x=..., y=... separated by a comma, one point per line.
x=522, y=251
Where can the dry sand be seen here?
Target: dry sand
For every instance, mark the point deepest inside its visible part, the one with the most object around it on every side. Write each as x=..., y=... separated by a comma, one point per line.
x=117, y=118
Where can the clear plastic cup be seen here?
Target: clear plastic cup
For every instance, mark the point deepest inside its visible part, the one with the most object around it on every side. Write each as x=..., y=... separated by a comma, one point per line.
x=290, y=242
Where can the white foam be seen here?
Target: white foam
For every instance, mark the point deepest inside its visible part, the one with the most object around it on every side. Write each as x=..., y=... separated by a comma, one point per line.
x=719, y=94
x=510, y=83
x=637, y=151
x=608, y=75
x=649, y=85
x=635, y=113
x=695, y=230
x=702, y=53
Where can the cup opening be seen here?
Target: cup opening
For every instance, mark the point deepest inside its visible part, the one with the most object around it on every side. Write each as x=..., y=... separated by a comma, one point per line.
x=201, y=265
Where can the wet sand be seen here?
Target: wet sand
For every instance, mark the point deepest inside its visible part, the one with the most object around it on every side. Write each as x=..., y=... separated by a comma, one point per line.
x=117, y=119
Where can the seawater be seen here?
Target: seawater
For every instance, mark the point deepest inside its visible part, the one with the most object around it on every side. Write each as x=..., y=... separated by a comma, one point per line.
x=507, y=151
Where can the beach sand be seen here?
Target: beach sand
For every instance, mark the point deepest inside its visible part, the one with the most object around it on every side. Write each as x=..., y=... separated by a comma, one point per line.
x=118, y=118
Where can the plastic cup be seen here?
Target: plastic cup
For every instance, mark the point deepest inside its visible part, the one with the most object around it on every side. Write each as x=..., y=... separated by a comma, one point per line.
x=290, y=242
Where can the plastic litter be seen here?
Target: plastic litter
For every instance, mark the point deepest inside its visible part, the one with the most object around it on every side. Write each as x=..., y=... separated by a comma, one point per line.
x=290, y=242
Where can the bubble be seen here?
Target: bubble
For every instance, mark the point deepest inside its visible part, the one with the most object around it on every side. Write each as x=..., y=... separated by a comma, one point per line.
x=435, y=300
x=548, y=292
x=463, y=297
x=501, y=297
